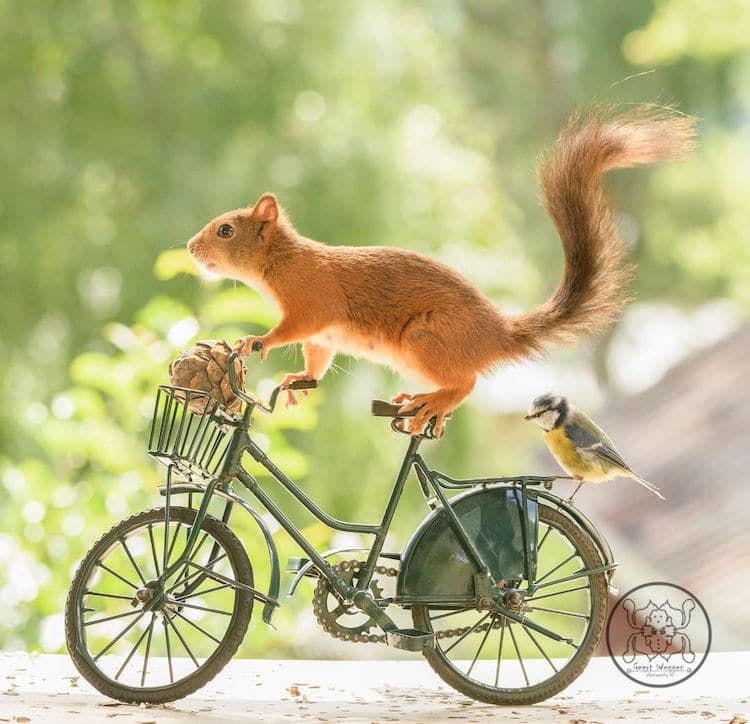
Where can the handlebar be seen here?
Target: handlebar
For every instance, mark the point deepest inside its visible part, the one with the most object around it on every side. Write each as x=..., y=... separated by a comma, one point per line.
x=239, y=392
x=381, y=408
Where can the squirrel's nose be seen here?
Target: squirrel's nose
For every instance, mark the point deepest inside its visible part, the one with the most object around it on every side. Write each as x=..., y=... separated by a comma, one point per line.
x=191, y=245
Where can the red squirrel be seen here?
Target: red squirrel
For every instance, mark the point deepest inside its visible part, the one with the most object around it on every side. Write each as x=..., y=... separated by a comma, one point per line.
x=414, y=313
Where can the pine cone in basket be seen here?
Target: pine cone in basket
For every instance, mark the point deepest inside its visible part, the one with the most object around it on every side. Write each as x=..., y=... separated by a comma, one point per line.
x=204, y=367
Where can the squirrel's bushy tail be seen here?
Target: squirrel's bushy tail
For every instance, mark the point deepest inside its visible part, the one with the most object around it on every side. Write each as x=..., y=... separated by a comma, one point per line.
x=592, y=290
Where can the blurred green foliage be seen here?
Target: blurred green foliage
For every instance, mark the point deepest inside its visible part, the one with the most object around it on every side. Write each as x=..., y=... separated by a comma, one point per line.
x=125, y=126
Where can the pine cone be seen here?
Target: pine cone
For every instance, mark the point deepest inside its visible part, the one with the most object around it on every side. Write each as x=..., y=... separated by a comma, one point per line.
x=204, y=367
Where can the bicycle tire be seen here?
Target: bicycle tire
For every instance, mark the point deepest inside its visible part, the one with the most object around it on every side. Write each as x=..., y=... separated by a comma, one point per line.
x=214, y=664
x=575, y=666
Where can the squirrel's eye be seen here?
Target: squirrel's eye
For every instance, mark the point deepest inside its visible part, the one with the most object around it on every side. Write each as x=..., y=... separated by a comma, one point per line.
x=225, y=231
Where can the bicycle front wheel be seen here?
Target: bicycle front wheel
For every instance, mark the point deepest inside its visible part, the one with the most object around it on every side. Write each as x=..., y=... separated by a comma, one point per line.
x=137, y=638
x=494, y=659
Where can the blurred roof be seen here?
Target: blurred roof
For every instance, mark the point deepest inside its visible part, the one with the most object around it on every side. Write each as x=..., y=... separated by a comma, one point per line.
x=690, y=435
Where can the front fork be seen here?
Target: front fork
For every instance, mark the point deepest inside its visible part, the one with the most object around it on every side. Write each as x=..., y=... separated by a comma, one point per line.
x=152, y=595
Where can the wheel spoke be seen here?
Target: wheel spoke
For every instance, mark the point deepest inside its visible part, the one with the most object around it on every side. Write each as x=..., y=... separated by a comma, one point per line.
x=193, y=555
x=111, y=618
x=560, y=640
x=182, y=640
x=197, y=627
x=560, y=611
x=153, y=549
x=544, y=538
x=467, y=632
x=557, y=581
x=558, y=593
x=196, y=550
x=119, y=636
x=481, y=646
x=148, y=648
x=200, y=570
x=204, y=608
x=541, y=650
x=202, y=593
x=132, y=560
x=116, y=574
x=450, y=613
x=557, y=567
x=132, y=651
x=500, y=649
x=168, y=556
x=108, y=595
x=518, y=653
x=169, y=649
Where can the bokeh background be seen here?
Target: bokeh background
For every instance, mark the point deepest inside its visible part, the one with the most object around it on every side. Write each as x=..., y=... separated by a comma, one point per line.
x=124, y=127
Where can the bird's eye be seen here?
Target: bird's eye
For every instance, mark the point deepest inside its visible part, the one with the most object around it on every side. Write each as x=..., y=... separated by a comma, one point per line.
x=225, y=231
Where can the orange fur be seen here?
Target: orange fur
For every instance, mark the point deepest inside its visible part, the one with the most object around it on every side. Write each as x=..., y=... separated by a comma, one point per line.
x=405, y=309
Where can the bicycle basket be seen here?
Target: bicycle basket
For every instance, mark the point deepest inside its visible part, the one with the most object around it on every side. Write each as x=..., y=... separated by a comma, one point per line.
x=190, y=431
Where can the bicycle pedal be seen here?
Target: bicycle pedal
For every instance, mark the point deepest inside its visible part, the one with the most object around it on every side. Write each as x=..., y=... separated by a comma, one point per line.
x=295, y=565
x=410, y=639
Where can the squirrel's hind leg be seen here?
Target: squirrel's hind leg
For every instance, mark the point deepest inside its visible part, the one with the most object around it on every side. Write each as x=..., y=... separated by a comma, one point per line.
x=437, y=404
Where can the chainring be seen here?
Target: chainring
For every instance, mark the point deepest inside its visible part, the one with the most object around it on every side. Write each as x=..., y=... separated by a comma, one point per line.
x=329, y=608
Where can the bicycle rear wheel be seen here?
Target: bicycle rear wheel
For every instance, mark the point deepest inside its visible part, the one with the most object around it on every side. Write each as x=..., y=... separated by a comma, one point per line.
x=493, y=659
x=190, y=626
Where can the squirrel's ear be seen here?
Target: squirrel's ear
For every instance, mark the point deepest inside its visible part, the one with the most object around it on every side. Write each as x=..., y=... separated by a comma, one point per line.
x=266, y=208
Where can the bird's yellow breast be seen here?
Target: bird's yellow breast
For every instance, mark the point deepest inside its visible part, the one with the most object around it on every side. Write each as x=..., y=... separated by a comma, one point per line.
x=566, y=453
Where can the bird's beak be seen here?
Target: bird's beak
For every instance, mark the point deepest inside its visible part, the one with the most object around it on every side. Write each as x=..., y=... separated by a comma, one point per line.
x=527, y=417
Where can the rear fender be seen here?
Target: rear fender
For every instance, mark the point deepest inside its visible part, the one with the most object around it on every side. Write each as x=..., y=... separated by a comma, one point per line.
x=500, y=524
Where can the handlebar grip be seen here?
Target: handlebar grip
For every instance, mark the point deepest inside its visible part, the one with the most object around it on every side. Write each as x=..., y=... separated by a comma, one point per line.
x=302, y=385
x=381, y=408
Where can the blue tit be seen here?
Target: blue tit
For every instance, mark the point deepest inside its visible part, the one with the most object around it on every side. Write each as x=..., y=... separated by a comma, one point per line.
x=583, y=450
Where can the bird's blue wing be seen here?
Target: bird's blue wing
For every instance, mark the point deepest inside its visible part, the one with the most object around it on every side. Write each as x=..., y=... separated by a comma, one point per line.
x=585, y=440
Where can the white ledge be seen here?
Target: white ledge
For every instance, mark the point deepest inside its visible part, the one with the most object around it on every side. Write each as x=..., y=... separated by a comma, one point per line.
x=48, y=689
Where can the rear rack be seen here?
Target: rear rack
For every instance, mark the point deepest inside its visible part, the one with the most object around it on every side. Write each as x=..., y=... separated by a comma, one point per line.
x=448, y=483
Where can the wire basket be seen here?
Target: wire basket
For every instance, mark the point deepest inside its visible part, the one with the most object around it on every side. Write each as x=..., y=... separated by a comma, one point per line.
x=190, y=431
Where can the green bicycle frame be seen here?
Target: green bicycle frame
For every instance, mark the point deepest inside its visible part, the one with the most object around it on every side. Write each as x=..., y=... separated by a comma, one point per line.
x=431, y=483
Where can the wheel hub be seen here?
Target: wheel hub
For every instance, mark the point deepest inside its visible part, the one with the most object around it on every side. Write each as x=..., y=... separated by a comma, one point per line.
x=144, y=595
x=150, y=597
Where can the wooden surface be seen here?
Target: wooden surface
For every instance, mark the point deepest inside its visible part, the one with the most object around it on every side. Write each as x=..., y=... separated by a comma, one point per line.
x=48, y=689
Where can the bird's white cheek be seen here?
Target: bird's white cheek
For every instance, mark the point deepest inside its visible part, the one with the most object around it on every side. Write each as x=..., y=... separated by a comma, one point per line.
x=547, y=420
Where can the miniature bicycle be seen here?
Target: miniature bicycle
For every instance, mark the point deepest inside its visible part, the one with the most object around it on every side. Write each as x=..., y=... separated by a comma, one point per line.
x=506, y=582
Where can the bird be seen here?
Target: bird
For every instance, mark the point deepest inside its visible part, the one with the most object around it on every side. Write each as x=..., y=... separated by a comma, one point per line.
x=578, y=444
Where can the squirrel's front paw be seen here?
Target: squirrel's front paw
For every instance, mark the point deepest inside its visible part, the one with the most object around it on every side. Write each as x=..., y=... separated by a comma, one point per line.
x=248, y=345
x=291, y=397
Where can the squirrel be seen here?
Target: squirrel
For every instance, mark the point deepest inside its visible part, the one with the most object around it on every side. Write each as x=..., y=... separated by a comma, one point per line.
x=409, y=311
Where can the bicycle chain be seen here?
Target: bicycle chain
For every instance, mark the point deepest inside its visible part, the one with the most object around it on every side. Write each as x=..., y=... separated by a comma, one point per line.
x=329, y=625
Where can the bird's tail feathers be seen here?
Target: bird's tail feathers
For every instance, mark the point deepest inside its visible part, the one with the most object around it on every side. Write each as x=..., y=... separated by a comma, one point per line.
x=645, y=483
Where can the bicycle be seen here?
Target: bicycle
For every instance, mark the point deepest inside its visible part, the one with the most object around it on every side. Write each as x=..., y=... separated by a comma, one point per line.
x=506, y=582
